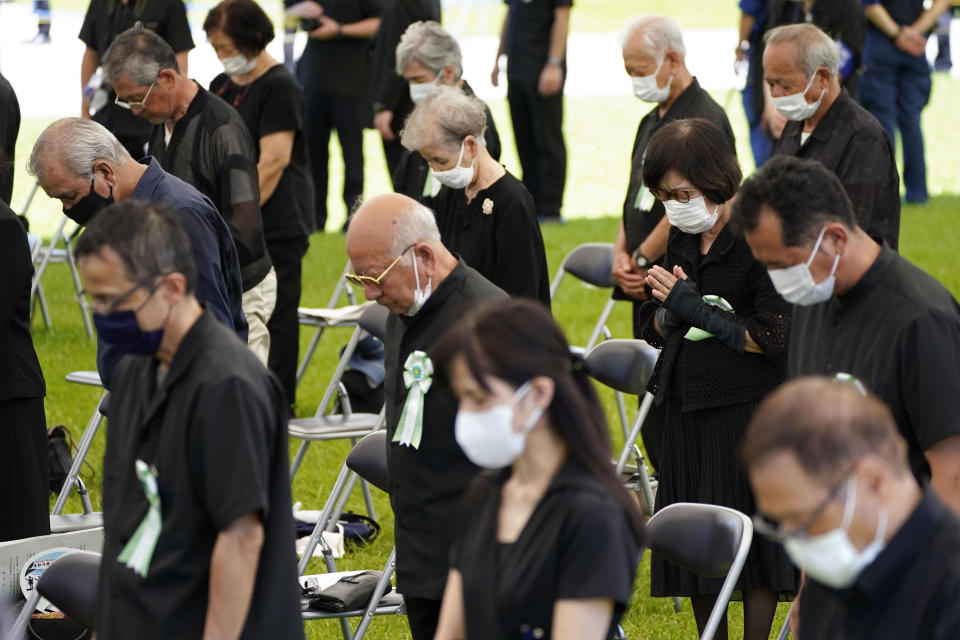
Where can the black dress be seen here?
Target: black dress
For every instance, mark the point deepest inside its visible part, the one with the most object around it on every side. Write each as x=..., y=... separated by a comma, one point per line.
x=577, y=544
x=497, y=234
x=709, y=392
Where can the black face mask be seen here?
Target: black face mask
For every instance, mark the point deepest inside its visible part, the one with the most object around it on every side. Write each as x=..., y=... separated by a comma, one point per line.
x=88, y=206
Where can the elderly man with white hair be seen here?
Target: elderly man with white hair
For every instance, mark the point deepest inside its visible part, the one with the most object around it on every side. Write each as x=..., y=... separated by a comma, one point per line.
x=485, y=215
x=394, y=246
x=428, y=57
x=825, y=124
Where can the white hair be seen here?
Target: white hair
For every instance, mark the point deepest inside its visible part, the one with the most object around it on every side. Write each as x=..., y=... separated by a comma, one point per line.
x=658, y=34
x=77, y=143
x=419, y=224
x=432, y=46
x=815, y=48
x=445, y=117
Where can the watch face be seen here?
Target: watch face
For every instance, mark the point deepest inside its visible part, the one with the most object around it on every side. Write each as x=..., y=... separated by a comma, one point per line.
x=641, y=261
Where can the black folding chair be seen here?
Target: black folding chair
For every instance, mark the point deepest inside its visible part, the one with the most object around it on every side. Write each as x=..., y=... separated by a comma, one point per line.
x=72, y=584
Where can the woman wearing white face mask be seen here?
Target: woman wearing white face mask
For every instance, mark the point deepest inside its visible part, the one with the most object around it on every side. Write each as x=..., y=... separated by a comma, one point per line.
x=550, y=541
x=484, y=213
x=723, y=331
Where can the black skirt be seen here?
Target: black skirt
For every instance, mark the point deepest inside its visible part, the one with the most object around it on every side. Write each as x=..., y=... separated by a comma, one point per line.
x=24, y=469
x=699, y=463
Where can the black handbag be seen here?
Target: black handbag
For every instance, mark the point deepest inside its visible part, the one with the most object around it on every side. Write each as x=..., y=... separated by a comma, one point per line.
x=59, y=459
x=347, y=594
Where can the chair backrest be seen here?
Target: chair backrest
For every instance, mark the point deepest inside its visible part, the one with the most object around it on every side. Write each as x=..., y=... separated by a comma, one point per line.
x=591, y=262
x=373, y=320
x=72, y=584
x=703, y=538
x=623, y=365
x=368, y=459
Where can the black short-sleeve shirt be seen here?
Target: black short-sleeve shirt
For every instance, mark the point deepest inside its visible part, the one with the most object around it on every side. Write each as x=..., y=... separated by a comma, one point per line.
x=527, y=43
x=497, y=234
x=340, y=65
x=577, y=544
x=214, y=431
x=898, y=331
x=910, y=590
x=271, y=103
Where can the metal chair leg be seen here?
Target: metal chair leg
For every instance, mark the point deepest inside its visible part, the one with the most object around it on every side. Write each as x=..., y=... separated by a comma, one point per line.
x=73, y=476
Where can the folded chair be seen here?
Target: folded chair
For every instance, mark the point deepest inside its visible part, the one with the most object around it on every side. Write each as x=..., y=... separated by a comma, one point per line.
x=72, y=584
x=43, y=256
x=368, y=461
x=706, y=539
x=626, y=366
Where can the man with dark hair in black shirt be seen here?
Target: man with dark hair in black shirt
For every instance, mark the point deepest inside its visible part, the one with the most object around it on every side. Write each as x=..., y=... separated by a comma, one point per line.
x=198, y=534
x=861, y=309
x=104, y=20
x=830, y=473
x=203, y=141
x=801, y=64
x=9, y=130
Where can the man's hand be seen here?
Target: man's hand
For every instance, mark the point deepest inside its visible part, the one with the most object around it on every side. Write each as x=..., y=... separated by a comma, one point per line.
x=381, y=122
x=629, y=276
x=495, y=74
x=911, y=41
x=551, y=80
x=328, y=29
x=307, y=9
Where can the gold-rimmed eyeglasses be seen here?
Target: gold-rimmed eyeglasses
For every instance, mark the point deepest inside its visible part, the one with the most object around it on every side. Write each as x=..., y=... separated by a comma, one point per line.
x=680, y=195
x=360, y=281
x=139, y=104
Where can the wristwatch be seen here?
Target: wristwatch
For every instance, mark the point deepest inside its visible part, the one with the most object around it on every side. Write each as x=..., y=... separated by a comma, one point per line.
x=557, y=62
x=641, y=260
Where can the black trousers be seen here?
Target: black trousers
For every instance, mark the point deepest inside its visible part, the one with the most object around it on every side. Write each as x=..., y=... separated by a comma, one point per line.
x=423, y=614
x=287, y=255
x=538, y=130
x=326, y=112
x=24, y=469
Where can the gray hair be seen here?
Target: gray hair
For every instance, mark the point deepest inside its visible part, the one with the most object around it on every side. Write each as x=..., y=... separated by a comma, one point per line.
x=77, y=143
x=658, y=34
x=432, y=46
x=419, y=224
x=445, y=117
x=139, y=54
x=815, y=48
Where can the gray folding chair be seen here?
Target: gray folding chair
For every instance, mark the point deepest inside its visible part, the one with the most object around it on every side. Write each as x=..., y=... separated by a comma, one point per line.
x=321, y=324
x=72, y=584
x=706, y=539
x=368, y=461
x=626, y=366
x=49, y=253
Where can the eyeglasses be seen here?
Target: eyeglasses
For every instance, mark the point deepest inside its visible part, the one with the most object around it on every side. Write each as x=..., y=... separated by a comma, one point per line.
x=680, y=195
x=360, y=281
x=139, y=104
x=93, y=305
x=773, y=530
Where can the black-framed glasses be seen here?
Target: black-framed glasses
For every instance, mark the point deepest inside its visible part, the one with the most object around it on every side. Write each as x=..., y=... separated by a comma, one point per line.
x=680, y=195
x=94, y=305
x=139, y=104
x=773, y=530
x=359, y=280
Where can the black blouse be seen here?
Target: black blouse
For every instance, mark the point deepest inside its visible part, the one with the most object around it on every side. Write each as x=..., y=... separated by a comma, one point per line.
x=577, y=544
x=497, y=234
x=714, y=375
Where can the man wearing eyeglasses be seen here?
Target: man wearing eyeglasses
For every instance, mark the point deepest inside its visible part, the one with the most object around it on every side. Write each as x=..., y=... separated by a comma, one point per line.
x=395, y=250
x=832, y=482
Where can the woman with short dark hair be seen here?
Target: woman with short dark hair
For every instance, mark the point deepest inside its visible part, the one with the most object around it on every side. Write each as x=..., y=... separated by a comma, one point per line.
x=271, y=103
x=550, y=540
x=723, y=331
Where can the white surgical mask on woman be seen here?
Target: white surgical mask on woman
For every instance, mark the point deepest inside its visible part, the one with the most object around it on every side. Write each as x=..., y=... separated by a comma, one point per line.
x=238, y=65
x=458, y=177
x=831, y=558
x=645, y=87
x=487, y=437
x=795, y=106
x=420, y=91
x=796, y=284
x=691, y=216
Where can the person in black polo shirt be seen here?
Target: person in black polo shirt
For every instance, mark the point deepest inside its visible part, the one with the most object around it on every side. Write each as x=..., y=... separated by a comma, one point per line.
x=203, y=141
x=860, y=309
x=801, y=62
x=534, y=39
x=881, y=556
x=104, y=20
x=198, y=534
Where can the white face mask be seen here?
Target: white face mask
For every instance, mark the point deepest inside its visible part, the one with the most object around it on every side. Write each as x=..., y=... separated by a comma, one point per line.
x=458, y=177
x=831, y=558
x=488, y=438
x=420, y=295
x=238, y=65
x=795, y=107
x=796, y=284
x=691, y=217
x=420, y=91
x=645, y=87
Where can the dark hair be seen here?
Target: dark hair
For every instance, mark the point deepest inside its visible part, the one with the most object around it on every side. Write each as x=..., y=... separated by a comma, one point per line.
x=699, y=151
x=803, y=194
x=147, y=236
x=244, y=22
x=516, y=340
x=141, y=54
x=827, y=425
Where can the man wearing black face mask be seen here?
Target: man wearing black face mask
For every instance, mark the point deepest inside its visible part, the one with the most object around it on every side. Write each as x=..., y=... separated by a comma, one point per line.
x=84, y=166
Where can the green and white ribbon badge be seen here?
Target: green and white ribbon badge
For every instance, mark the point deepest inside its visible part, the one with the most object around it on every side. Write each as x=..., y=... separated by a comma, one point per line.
x=696, y=334
x=418, y=377
x=139, y=550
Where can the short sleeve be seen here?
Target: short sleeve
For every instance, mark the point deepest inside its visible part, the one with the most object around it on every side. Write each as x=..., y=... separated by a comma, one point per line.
x=88, y=30
x=230, y=445
x=371, y=8
x=599, y=557
x=178, y=29
x=282, y=108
